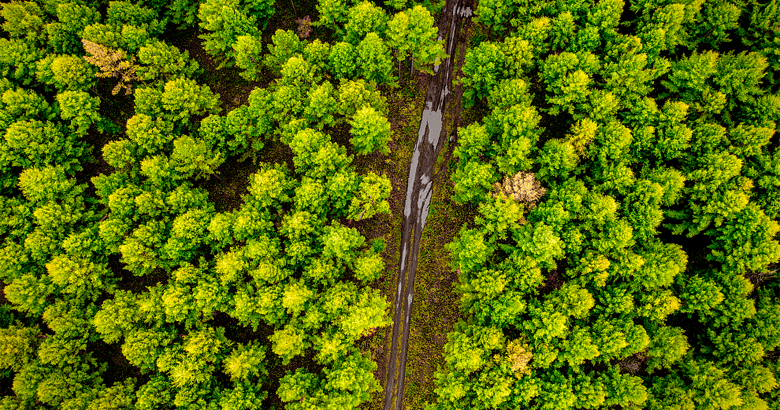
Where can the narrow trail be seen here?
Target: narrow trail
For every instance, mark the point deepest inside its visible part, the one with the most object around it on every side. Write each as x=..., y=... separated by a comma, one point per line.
x=432, y=136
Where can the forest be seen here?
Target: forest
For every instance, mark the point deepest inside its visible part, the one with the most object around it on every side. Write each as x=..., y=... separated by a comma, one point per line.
x=199, y=203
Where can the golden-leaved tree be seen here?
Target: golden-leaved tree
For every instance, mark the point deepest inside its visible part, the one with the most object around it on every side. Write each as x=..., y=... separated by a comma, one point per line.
x=112, y=64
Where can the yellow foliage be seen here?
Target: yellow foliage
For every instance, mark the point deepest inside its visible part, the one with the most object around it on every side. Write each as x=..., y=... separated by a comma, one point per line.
x=582, y=135
x=518, y=355
x=523, y=187
x=112, y=64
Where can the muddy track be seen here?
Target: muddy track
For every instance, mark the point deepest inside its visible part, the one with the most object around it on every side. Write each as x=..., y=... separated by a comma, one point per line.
x=442, y=109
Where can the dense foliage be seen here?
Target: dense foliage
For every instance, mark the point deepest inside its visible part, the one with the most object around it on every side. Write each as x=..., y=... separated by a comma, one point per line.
x=625, y=173
x=125, y=285
x=642, y=277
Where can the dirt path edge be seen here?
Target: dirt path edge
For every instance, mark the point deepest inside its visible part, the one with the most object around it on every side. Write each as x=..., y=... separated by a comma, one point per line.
x=442, y=108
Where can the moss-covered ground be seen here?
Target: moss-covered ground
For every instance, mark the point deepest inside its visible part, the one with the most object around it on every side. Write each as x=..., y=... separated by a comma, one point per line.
x=435, y=307
x=405, y=104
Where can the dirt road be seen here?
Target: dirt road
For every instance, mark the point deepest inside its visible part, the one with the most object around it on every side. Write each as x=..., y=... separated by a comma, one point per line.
x=442, y=108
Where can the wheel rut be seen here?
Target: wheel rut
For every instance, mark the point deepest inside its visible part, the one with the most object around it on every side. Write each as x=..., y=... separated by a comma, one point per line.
x=441, y=109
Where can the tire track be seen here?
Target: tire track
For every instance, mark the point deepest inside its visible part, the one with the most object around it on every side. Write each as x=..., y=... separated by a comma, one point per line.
x=431, y=137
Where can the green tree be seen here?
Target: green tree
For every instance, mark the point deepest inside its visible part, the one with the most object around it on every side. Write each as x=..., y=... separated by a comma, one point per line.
x=248, y=50
x=540, y=242
x=371, y=197
x=518, y=54
x=558, y=160
x=340, y=188
x=81, y=278
x=468, y=350
x=568, y=81
x=142, y=347
x=718, y=193
x=746, y=243
x=473, y=141
x=710, y=387
x=126, y=37
x=187, y=232
x=354, y=95
x=317, y=156
x=310, y=196
x=243, y=396
x=623, y=389
x=500, y=215
x=36, y=144
x=19, y=61
x=517, y=131
x=64, y=34
x=342, y=60
x=80, y=109
x=373, y=59
x=225, y=22
x=150, y=135
x=47, y=184
x=20, y=104
x=284, y=44
x=288, y=342
x=351, y=382
x=316, y=53
x=298, y=73
x=194, y=158
x=482, y=69
x=121, y=13
x=578, y=347
x=413, y=32
x=369, y=267
x=495, y=14
x=245, y=125
x=296, y=297
x=629, y=75
x=119, y=396
x=664, y=31
x=162, y=62
x=341, y=243
x=296, y=386
x=333, y=14
x=362, y=19
x=66, y=73
x=262, y=10
x=370, y=131
x=470, y=250
x=19, y=346
x=183, y=98
x=474, y=181
x=23, y=20
x=245, y=362
x=663, y=264
x=668, y=346
x=556, y=393
x=700, y=295
x=748, y=140
x=321, y=105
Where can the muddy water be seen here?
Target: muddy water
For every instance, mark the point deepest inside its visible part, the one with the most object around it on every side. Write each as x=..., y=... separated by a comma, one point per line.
x=430, y=139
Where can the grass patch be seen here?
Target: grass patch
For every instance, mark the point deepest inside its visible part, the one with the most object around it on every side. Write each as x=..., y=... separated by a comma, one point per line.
x=436, y=307
x=405, y=104
x=436, y=304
